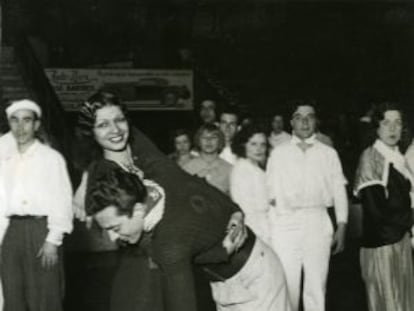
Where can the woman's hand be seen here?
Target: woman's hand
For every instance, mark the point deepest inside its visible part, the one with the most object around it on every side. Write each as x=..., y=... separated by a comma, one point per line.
x=236, y=233
x=338, y=242
x=232, y=246
x=236, y=223
x=79, y=212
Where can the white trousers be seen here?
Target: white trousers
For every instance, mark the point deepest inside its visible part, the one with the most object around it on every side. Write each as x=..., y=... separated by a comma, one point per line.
x=260, y=285
x=302, y=239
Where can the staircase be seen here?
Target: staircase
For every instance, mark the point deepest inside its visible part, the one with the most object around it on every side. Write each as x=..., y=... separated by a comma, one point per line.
x=11, y=81
x=22, y=76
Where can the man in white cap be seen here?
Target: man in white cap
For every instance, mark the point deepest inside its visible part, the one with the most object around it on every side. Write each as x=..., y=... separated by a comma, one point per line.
x=36, y=199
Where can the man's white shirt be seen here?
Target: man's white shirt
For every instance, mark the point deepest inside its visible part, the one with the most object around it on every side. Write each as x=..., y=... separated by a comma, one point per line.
x=36, y=183
x=278, y=139
x=306, y=179
x=228, y=155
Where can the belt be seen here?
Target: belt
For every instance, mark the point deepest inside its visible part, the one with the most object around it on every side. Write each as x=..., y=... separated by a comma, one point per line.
x=27, y=217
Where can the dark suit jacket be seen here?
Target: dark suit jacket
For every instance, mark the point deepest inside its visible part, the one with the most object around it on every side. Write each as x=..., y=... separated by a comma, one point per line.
x=192, y=228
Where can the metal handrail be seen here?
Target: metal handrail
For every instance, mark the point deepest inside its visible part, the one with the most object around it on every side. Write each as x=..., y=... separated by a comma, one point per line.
x=39, y=87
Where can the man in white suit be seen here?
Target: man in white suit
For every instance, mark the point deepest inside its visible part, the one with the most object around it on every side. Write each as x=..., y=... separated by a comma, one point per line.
x=304, y=178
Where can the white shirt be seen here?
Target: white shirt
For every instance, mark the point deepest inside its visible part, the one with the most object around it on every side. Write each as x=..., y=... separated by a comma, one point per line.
x=36, y=183
x=409, y=156
x=155, y=191
x=248, y=189
x=277, y=139
x=307, y=179
x=7, y=145
x=228, y=155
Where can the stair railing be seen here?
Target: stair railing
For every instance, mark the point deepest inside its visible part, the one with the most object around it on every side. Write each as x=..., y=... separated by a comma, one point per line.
x=35, y=79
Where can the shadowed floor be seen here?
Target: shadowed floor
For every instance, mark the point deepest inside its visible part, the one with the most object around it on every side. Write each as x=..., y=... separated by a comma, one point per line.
x=89, y=278
x=88, y=287
x=345, y=288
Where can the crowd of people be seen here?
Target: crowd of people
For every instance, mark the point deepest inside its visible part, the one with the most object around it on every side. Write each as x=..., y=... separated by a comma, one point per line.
x=236, y=215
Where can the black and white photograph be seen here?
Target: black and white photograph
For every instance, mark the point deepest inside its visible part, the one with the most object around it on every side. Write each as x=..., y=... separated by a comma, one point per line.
x=206, y=155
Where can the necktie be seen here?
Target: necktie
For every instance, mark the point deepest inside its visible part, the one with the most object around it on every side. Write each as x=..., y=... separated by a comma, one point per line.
x=304, y=145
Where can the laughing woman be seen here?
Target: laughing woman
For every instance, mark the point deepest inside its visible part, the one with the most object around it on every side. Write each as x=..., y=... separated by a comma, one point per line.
x=384, y=184
x=103, y=120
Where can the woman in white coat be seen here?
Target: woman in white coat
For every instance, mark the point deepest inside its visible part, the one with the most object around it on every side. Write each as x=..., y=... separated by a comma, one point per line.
x=248, y=180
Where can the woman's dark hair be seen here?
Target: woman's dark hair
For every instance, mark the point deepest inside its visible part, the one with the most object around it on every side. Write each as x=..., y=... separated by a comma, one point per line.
x=210, y=128
x=241, y=138
x=115, y=187
x=179, y=132
x=86, y=122
x=87, y=113
x=378, y=115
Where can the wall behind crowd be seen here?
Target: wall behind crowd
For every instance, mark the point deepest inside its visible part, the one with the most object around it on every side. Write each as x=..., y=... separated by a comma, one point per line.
x=344, y=55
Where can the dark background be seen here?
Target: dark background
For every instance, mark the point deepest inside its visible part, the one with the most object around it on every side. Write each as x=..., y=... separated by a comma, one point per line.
x=260, y=54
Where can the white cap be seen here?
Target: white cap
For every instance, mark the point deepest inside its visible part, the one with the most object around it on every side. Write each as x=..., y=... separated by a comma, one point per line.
x=23, y=104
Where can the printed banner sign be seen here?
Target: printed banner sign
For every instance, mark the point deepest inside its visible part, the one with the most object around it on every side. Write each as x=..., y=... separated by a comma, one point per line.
x=140, y=89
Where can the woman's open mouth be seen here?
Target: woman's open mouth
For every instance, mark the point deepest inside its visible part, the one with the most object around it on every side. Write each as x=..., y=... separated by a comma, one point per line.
x=116, y=139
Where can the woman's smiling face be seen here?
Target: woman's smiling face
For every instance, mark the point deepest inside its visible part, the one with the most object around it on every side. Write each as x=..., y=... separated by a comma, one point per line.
x=111, y=129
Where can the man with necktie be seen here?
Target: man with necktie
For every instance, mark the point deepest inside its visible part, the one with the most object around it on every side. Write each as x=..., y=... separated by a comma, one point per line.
x=305, y=178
